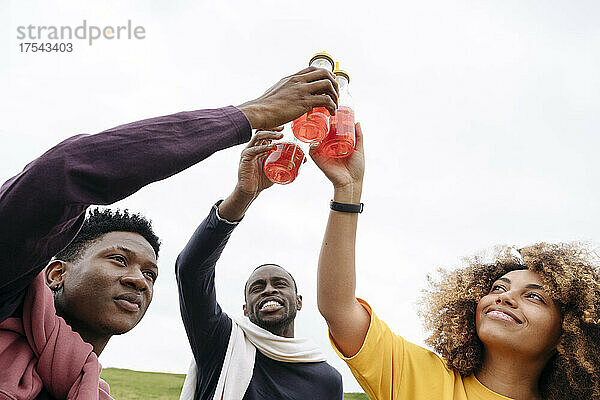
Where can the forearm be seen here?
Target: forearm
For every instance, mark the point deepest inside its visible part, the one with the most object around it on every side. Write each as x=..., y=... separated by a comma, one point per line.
x=336, y=272
x=347, y=320
x=42, y=208
x=104, y=168
x=234, y=207
x=195, y=266
x=195, y=272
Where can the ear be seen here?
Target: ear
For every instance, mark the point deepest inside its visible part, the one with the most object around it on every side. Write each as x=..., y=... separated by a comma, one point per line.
x=245, y=311
x=55, y=274
x=298, y=302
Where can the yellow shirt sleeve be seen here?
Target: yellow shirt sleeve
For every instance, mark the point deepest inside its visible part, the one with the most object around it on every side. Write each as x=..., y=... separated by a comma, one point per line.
x=388, y=367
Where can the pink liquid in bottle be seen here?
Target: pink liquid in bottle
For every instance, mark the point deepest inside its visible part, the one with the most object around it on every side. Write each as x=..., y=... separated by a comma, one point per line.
x=283, y=163
x=312, y=126
x=341, y=139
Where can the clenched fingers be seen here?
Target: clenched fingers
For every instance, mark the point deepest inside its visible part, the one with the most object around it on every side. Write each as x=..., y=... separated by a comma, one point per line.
x=324, y=86
x=323, y=100
x=308, y=74
x=264, y=137
x=253, y=152
x=320, y=73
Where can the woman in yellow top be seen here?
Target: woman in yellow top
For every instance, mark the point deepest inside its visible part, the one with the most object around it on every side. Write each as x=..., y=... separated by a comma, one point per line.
x=524, y=327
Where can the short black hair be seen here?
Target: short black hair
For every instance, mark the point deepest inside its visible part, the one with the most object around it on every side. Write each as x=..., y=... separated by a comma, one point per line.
x=275, y=265
x=99, y=222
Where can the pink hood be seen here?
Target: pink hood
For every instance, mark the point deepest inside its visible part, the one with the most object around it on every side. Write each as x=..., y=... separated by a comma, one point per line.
x=41, y=350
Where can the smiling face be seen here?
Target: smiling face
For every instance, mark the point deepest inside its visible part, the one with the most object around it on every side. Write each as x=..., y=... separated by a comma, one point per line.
x=518, y=315
x=107, y=290
x=271, y=300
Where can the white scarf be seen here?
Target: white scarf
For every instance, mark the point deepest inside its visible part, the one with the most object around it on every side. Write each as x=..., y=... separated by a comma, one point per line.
x=238, y=365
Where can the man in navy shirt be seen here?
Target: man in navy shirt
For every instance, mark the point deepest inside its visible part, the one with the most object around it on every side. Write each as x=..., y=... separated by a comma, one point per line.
x=271, y=305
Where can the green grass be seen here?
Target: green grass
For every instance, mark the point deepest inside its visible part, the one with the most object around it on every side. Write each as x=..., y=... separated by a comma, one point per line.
x=355, y=396
x=126, y=384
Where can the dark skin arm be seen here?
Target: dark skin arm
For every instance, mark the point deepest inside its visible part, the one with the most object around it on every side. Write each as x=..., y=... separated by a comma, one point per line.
x=285, y=101
x=251, y=176
x=291, y=97
x=99, y=169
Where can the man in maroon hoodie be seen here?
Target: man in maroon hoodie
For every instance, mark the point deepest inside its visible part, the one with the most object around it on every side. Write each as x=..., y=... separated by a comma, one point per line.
x=104, y=287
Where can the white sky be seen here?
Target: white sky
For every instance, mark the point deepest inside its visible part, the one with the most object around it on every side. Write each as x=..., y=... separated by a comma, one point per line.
x=481, y=123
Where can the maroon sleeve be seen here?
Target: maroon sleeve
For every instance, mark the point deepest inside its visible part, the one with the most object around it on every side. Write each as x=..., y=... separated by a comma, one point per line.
x=43, y=207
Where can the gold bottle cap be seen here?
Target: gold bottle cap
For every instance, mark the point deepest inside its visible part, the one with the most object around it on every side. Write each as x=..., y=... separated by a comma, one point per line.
x=340, y=72
x=324, y=55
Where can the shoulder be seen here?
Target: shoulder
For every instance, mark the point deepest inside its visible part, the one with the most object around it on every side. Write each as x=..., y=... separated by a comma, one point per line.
x=332, y=380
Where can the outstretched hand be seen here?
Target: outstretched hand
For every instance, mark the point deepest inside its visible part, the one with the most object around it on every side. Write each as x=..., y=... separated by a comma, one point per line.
x=343, y=172
x=291, y=97
x=251, y=176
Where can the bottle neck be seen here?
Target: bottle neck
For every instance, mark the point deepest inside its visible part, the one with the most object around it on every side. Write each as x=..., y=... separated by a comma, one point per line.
x=345, y=99
x=342, y=83
x=322, y=63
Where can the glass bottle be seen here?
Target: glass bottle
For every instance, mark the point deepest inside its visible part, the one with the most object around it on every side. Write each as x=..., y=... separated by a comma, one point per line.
x=341, y=138
x=283, y=163
x=312, y=127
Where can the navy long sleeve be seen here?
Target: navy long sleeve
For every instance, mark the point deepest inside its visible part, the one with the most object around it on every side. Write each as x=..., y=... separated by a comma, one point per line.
x=209, y=329
x=43, y=207
x=207, y=326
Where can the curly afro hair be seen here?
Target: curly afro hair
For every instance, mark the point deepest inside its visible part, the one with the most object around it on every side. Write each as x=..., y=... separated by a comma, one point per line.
x=99, y=222
x=572, y=281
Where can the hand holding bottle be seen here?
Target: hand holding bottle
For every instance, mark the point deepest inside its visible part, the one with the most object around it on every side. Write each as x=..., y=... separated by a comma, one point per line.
x=291, y=97
x=251, y=178
x=312, y=127
x=346, y=174
x=340, y=139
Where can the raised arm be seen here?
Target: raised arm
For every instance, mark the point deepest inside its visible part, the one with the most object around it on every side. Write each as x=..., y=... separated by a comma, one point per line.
x=42, y=208
x=206, y=325
x=348, y=321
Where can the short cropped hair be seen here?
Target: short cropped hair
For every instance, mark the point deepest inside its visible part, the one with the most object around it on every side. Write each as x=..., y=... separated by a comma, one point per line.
x=99, y=222
x=275, y=265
